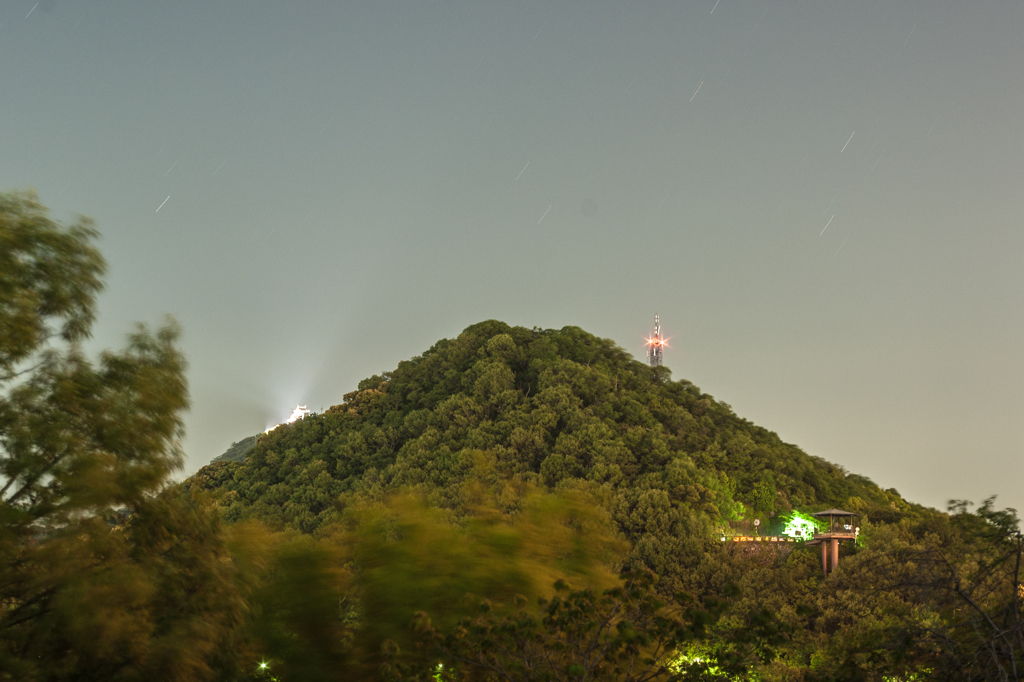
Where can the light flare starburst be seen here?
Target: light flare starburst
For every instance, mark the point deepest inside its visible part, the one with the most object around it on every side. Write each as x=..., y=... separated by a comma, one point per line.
x=656, y=344
x=655, y=341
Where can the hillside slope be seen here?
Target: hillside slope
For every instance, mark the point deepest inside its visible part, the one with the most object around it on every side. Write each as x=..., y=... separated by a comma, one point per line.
x=237, y=451
x=510, y=407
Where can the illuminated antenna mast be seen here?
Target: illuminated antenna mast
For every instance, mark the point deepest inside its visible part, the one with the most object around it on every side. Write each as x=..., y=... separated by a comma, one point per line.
x=655, y=345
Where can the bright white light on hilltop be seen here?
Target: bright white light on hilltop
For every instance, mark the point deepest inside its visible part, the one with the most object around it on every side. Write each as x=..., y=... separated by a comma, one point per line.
x=298, y=413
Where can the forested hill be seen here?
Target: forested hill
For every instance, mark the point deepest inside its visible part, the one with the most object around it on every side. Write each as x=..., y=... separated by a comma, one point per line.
x=511, y=406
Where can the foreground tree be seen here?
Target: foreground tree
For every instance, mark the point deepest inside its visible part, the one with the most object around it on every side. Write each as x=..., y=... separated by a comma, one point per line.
x=973, y=583
x=105, y=573
x=941, y=600
x=624, y=634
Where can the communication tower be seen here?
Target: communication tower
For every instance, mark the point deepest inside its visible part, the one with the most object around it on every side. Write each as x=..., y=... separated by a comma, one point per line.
x=655, y=345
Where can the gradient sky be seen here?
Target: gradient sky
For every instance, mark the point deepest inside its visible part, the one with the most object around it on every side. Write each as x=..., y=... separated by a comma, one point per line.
x=822, y=200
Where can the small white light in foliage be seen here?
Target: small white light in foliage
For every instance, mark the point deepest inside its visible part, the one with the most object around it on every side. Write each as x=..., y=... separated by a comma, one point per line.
x=298, y=413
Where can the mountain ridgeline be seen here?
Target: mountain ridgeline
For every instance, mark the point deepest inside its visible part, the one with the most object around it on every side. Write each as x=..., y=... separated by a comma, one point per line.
x=238, y=451
x=509, y=408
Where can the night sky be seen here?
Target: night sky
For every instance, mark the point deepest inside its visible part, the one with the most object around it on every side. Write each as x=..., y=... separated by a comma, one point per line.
x=823, y=201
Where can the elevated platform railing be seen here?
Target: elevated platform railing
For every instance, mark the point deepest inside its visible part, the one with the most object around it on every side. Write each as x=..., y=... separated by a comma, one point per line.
x=758, y=538
x=841, y=534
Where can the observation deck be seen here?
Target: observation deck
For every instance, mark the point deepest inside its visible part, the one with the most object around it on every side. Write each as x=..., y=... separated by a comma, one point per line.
x=840, y=525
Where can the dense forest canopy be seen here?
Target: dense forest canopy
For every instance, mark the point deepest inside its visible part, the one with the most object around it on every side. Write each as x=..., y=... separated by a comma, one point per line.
x=552, y=408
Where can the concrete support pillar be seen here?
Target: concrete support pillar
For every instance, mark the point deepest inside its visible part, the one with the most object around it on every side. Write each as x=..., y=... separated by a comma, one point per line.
x=835, y=553
x=824, y=558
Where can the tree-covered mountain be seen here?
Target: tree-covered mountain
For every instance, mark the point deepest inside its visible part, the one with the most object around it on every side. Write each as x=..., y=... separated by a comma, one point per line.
x=553, y=409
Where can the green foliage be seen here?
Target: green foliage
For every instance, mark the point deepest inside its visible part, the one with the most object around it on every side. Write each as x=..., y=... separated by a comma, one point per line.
x=557, y=408
x=49, y=275
x=324, y=604
x=300, y=618
x=409, y=558
x=624, y=633
x=104, y=572
x=764, y=494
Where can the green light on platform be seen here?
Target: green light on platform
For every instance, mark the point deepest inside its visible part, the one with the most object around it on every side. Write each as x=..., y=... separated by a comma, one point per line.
x=801, y=526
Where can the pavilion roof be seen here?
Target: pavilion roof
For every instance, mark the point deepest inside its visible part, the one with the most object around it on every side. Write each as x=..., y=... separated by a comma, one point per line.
x=834, y=512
